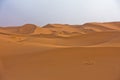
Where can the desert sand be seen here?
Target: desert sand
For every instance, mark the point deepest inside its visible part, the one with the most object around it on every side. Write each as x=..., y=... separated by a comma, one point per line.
x=60, y=52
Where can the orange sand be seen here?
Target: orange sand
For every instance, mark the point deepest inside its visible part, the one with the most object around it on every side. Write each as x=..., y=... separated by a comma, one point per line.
x=60, y=52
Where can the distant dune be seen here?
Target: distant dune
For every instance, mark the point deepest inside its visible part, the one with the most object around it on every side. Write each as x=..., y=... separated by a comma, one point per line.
x=89, y=34
x=60, y=52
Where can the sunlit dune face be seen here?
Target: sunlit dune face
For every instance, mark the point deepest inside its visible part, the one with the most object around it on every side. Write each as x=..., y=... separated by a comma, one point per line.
x=58, y=51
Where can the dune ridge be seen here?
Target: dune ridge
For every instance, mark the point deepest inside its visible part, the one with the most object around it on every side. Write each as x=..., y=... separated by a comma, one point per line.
x=88, y=34
x=60, y=52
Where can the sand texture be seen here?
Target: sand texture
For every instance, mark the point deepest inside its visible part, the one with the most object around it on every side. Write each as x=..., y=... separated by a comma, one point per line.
x=60, y=52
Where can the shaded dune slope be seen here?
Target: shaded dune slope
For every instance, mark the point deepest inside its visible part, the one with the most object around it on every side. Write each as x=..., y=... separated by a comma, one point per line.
x=60, y=52
x=89, y=34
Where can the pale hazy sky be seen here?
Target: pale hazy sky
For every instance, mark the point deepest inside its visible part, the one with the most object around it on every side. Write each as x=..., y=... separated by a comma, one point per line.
x=40, y=12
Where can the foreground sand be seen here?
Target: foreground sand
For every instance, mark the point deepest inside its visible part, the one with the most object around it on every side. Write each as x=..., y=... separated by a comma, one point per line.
x=60, y=52
x=102, y=63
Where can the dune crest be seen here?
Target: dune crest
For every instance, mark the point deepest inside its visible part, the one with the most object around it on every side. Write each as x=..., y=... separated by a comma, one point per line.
x=89, y=34
x=60, y=52
x=25, y=29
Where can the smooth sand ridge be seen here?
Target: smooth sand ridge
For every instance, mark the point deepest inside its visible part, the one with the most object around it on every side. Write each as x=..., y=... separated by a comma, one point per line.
x=101, y=39
x=60, y=52
x=100, y=27
x=64, y=64
x=64, y=29
x=25, y=29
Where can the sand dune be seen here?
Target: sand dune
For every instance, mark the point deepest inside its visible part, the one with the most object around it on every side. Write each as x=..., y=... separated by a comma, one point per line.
x=64, y=64
x=102, y=26
x=63, y=29
x=94, y=39
x=60, y=52
x=25, y=29
x=89, y=34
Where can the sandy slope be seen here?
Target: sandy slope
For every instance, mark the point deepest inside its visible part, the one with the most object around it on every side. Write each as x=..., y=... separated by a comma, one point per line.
x=64, y=64
x=100, y=39
x=60, y=52
x=99, y=27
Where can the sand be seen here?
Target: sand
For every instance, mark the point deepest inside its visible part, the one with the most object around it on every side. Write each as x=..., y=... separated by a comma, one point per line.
x=60, y=52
